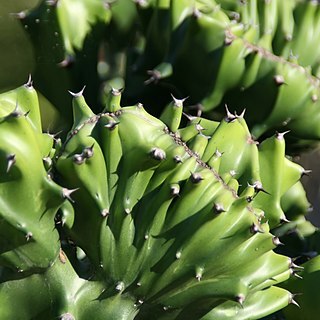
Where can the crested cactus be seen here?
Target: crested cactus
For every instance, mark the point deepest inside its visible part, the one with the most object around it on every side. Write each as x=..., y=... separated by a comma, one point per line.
x=192, y=212
x=172, y=223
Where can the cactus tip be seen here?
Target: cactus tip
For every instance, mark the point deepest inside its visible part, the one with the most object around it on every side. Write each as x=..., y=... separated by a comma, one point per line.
x=11, y=160
x=29, y=83
x=178, y=102
x=230, y=117
x=196, y=177
x=66, y=62
x=280, y=135
x=292, y=301
x=278, y=79
x=67, y=316
x=218, y=208
x=52, y=2
x=305, y=172
x=78, y=94
x=241, y=115
x=119, y=286
x=157, y=154
x=174, y=190
x=66, y=193
x=276, y=241
x=254, y=228
x=19, y=15
x=105, y=212
x=240, y=299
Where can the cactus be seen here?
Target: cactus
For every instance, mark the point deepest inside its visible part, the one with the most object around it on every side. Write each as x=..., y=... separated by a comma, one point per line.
x=150, y=49
x=305, y=286
x=29, y=197
x=136, y=216
x=167, y=222
x=266, y=42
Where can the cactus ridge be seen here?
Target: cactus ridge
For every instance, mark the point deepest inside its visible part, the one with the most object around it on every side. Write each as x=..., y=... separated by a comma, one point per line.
x=153, y=230
x=181, y=219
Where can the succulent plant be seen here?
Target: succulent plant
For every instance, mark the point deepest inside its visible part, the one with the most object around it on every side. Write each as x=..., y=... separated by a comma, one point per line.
x=305, y=286
x=185, y=48
x=154, y=219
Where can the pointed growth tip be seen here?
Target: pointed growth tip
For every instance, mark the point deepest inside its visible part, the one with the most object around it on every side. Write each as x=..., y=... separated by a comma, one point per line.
x=279, y=80
x=157, y=154
x=196, y=177
x=240, y=298
x=66, y=193
x=230, y=117
x=29, y=83
x=178, y=102
x=280, y=135
x=67, y=316
x=11, y=160
x=77, y=94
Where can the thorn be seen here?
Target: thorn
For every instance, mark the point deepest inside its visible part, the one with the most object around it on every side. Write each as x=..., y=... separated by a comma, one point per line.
x=66, y=193
x=88, y=152
x=296, y=275
x=189, y=117
x=249, y=199
x=116, y=92
x=284, y=220
x=199, y=273
x=230, y=117
x=292, y=301
x=78, y=94
x=157, y=154
x=19, y=15
x=155, y=75
x=240, y=299
x=254, y=228
x=199, y=128
x=306, y=172
x=78, y=159
x=29, y=235
x=296, y=267
x=241, y=114
x=11, y=160
x=178, y=102
x=314, y=97
x=178, y=255
x=218, y=154
x=196, y=177
x=276, y=241
x=177, y=159
x=233, y=173
x=174, y=190
x=218, y=208
x=111, y=125
x=66, y=62
x=52, y=2
x=280, y=135
x=127, y=211
x=257, y=185
x=120, y=286
x=105, y=212
x=278, y=79
x=29, y=84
